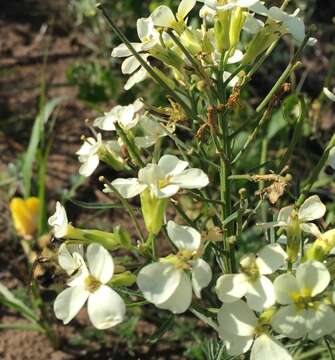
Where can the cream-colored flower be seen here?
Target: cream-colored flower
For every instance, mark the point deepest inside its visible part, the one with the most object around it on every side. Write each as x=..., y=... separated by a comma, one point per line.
x=303, y=312
x=105, y=307
x=252, y=282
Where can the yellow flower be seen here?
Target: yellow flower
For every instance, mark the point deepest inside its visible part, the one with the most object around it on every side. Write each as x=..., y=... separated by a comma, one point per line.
x=25, y=215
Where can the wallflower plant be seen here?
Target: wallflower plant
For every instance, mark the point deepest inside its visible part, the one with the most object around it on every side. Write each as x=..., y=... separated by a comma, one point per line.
x=188, y=150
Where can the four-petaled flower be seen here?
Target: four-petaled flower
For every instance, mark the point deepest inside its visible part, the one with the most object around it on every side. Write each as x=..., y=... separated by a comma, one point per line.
x=305, y=311
x=168, y=283
x=149, y=37
x=105, y=306
x=252, y=282
x=93, y=150
x=311, y=209
x=126, y=116
x=163, y=179
x=240, y=330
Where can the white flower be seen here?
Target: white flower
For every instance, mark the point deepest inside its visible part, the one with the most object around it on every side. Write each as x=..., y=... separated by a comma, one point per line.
x=93, y=150
x=88, y=155
x=294, y=25
x=126, y=116
x=252, y=282
x=152, y=131
x=311, y=209
x=163, y=179
x=167, y=283
x=230, y=4
x=303, y=313
x=329, y=94
x=105, y=307
x=239, y=328
x=331, y=157
x=59, y=221
x=164, y=17
x=149, y=37
x=69, y=262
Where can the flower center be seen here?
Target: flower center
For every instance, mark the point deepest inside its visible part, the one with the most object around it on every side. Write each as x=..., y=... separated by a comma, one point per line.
x=249, y=267
x=92, y=284
x=164, y=182
x=303, y=299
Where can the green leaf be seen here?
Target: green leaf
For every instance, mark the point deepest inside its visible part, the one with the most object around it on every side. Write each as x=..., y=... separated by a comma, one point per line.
x=8, y=299
x=34, y=142
x=22, y=327
x=166, y=326
x=96, y=206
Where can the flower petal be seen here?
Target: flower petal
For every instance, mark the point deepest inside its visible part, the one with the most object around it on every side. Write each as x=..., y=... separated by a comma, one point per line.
x=165, y=192
x=236, y=345
x=184, y=237
x=170, y=165
x=238, y=318
x=59, y=221
x=201, y=276
x=69, y=302
x=285, y=285
x=320, y=322
x=128, y=188
x=100, y=263
x=66, y=259
x=180, y=299
x=163, y=16
x=311, y=209
x=261, y=294
x=289, y=321
x=331, y=157
x=158, y=281
x=123, y=51
x=129, y=65
x=265, y=347
x=311, y=228
x=105, y=308
x=284, y=214
x=89, y=165
x=313, y=276
x=231, y=287
x=191, y=179
x=137, y=77
x=184, y=8
x=271, y=258
x=329, y=94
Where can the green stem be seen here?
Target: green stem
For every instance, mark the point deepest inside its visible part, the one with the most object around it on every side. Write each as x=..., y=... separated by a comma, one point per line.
x=316, y=172
x=290, y=67
x=296, y=135
x=132, y=149
x=125, y=203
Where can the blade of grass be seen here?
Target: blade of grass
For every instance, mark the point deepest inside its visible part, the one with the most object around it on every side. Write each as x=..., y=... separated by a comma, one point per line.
x=35, y=138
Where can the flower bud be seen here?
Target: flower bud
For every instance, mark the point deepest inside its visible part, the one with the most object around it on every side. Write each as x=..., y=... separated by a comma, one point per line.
x=221, y=31
x=321, y=246
x=111, y=159
x=192, y=41
x=293, y=238
x=261, y=41
x=108, y=240
x=237, y=21
x=123, y=279
x=153, y=211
